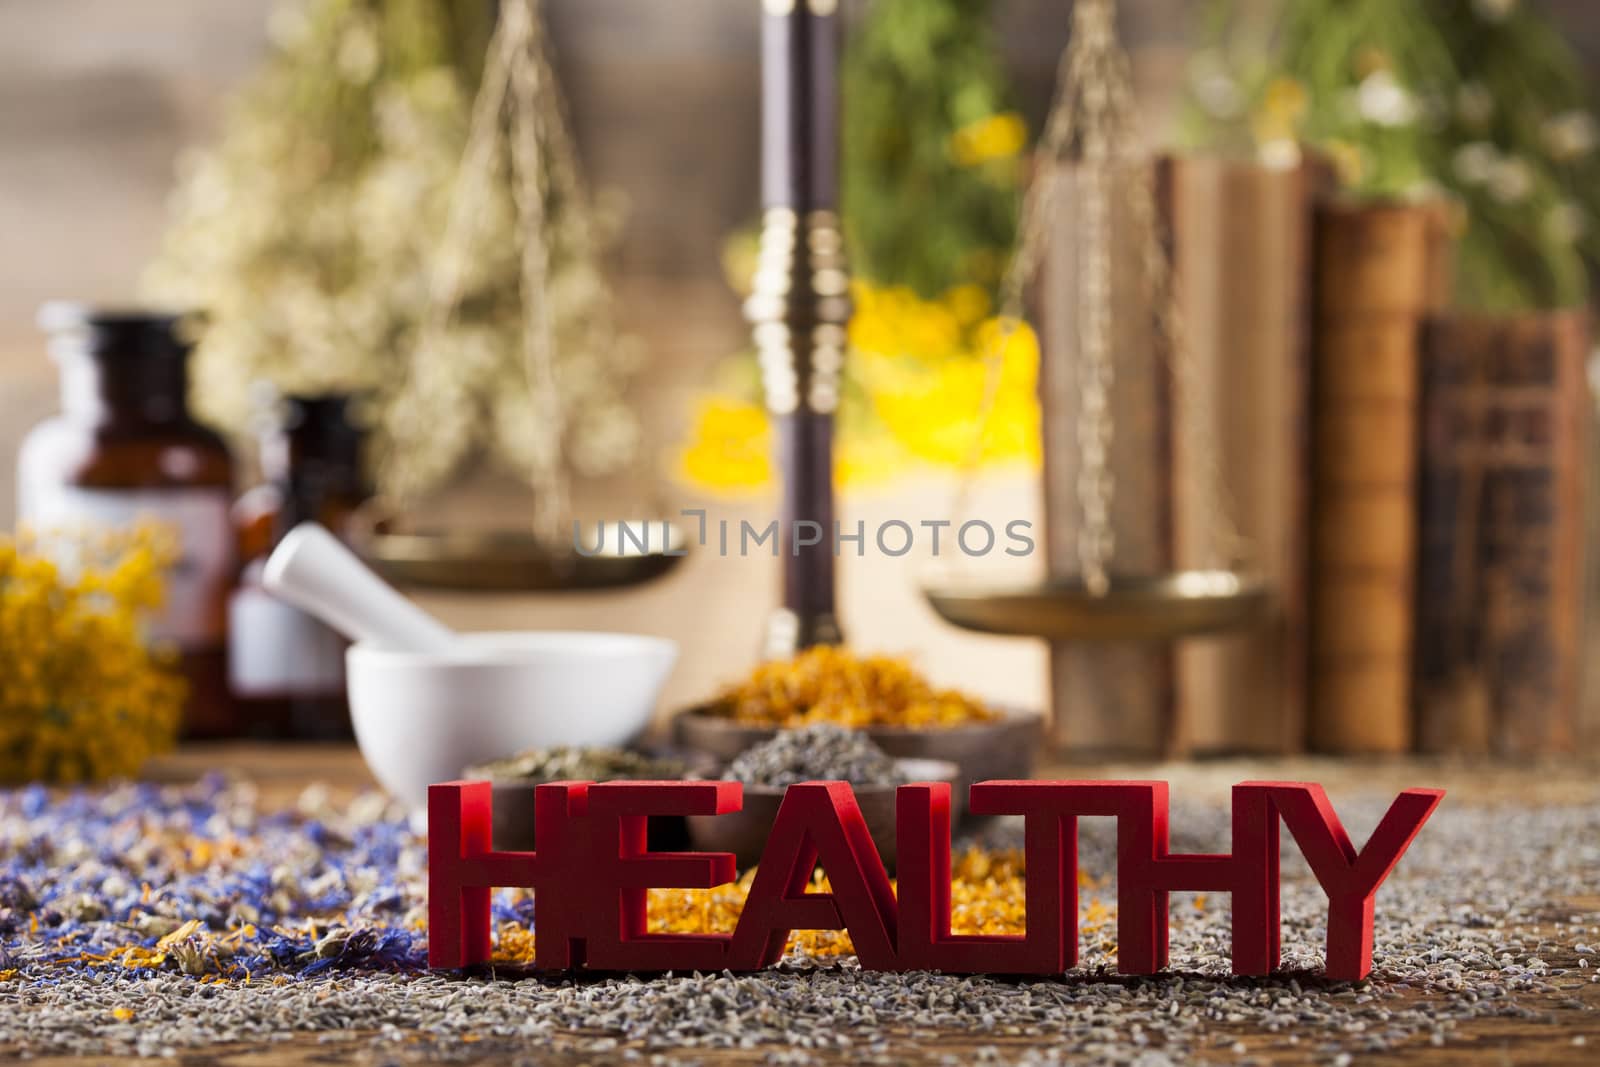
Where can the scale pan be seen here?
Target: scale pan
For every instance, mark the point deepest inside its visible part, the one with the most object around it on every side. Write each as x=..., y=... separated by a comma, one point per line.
x=1157, y=607
x=514, y=561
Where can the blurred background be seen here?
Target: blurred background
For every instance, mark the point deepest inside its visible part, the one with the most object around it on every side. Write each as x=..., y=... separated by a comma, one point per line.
x=107, y=103
x=103, y=98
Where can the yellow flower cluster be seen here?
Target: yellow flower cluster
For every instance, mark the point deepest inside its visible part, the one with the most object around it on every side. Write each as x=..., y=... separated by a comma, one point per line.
x=730, y=450
x=1283, y=105
x=188, y=946
x=82, y=696
x=834, y=685
x=918, y=382
x=926, y=365
x=993, y=137
x=987, y=896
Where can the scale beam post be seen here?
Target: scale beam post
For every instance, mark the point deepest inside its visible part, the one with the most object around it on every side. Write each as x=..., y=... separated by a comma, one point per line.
x=800, y=304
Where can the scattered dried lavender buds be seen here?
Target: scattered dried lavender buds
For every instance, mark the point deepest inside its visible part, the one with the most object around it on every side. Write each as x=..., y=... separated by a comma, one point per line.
x=151, y=921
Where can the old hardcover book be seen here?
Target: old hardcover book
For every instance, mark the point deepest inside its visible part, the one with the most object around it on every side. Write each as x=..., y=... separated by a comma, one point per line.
x=1106, y=699
x=1241, y=236
x=1505, y=410
x=1379, y=270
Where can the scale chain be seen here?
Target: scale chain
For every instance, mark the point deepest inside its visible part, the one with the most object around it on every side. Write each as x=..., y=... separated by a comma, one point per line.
x=551, y=504
x=1038, y=200
x=519, y=95
x=1096, y=371
x=1095, y=77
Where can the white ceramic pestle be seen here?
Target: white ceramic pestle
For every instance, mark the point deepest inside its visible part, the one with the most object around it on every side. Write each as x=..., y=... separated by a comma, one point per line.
x=314, y=571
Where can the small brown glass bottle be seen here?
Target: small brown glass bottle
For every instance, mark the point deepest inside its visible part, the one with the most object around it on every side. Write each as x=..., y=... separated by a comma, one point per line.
x=125, y=449
x=286, y=669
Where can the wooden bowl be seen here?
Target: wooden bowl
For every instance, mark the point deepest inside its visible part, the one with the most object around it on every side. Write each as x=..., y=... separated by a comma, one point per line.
x=512, y=828
x=1001, y=749
x=744, y=832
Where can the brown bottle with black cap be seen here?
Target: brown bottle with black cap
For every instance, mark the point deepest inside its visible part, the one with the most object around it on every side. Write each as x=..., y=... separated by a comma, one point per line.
x=286, y=668
x=125, y=449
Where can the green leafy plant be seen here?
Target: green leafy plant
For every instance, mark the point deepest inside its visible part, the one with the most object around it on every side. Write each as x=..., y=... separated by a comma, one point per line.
x=932, y=152
x=1482, y=100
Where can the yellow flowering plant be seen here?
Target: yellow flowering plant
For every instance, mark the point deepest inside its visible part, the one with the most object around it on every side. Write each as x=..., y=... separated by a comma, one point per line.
x=831, y=684
x=931, y=168
x=931, y=146
x=925, y=367
x=83, y=695
x=987, y=896
x=997, y=137
x=930, y=179
x=916, y=385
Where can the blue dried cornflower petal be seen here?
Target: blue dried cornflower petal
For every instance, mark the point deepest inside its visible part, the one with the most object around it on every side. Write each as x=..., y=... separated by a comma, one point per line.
x=128, y=837
x=385, y=898
x=33, y=801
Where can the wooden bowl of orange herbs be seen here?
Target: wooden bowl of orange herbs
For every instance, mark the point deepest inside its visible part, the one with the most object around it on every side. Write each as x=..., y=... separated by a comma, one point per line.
x=884, y=696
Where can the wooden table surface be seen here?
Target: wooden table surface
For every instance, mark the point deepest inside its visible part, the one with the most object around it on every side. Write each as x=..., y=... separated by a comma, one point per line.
x=1571, y=1012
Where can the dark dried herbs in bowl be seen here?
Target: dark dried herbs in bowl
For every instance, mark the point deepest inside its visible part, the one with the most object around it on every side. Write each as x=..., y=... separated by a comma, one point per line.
x=822, y=752
x=516, y=777
x=578, y=765
x=815, y=753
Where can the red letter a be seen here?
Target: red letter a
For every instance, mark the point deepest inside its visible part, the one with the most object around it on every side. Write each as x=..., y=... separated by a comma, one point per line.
x=817, y=821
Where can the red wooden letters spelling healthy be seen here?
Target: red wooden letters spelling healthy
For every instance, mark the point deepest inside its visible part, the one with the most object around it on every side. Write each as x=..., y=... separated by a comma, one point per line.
x=592, y=871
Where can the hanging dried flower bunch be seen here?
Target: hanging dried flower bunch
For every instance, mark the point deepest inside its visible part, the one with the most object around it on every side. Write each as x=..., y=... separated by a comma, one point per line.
x=311, y=234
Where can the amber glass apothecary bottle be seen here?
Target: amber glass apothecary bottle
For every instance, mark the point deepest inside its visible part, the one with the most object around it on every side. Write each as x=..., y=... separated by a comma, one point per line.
x=286, y=669
x=125, y=449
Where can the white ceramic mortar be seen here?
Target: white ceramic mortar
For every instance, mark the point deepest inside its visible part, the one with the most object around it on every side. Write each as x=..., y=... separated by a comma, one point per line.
x=420, y=717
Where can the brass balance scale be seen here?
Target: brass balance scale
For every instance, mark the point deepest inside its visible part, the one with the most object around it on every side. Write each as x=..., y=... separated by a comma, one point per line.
x=519, y=103
x=799, y=310
x=1091, y=122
